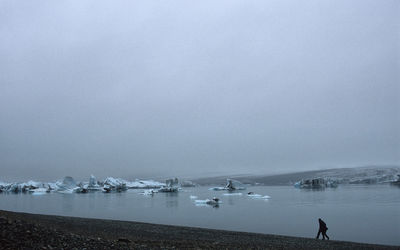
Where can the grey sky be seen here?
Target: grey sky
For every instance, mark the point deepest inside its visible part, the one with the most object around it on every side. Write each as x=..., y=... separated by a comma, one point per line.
x=153, y=88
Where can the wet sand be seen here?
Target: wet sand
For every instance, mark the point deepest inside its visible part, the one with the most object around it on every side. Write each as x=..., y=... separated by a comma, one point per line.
x=32, y=231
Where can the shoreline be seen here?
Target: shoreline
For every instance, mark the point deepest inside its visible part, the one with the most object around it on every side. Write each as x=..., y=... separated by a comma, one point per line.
x=24, y=230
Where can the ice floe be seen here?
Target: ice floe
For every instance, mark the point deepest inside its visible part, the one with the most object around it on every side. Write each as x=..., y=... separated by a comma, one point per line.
x=149, y=192
x=215, y=202
x=231, y=185
x=171, y=185
x=233, y=194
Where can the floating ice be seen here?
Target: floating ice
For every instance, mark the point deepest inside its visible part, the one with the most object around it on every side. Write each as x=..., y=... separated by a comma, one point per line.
x=149, y=192
x=232, y=194
x=93, y=185
x=144, y=184
x=208, y=202
x=113, y=184
x=193, y=197
x=67, y=185
x=172, y=185
x=40, y=191
x=258, y=196
x=231, y=185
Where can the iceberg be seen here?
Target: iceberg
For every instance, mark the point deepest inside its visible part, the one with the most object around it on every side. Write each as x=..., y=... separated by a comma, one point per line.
x=144, y=184
x=231, y=185
x=30, y=185
x=113, y=184
x=93, y=185
x=81, y=188
x=172, y=185
x=67, y=185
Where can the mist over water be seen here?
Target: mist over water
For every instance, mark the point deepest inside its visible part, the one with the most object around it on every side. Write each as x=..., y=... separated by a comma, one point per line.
x=142, y=89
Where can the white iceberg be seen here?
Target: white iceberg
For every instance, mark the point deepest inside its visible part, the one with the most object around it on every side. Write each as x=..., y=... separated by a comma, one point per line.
x=113, y=184
x=231, y=185
x=172, y=185
x=66, y=186
x=93, y=185
x=144, y=184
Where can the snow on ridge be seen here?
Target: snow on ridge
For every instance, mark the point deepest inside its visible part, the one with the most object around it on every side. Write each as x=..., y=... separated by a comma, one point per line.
x=363, y=175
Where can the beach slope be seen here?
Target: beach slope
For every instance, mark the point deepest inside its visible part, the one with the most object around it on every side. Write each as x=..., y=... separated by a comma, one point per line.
x=33, y=231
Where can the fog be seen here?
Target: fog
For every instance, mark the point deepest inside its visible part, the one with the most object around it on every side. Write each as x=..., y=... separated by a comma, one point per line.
x=197, y=88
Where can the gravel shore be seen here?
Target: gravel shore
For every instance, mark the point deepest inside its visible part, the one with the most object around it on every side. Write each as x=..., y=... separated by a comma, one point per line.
x=32, y=231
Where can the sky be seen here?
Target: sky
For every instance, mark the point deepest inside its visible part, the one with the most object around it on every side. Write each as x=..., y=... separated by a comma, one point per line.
x=138, y=89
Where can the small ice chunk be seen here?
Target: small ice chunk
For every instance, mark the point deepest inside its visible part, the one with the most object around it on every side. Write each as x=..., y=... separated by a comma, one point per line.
x=258, y=196
x=255, y=195
x=212, y=202
x=39, y=191
x=149, y=192
x=193, y=197
x=233, y=194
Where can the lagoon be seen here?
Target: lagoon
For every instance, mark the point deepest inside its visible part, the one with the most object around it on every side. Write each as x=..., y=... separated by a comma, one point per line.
x=360, y=213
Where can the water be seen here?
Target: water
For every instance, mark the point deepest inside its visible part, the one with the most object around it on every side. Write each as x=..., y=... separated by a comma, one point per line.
x=361, y=213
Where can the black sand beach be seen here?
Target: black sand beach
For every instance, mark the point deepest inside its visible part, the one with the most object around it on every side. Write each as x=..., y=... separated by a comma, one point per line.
x=31, y=231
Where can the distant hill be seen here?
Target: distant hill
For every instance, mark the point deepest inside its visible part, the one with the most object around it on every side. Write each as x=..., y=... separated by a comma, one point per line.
x=367, y=175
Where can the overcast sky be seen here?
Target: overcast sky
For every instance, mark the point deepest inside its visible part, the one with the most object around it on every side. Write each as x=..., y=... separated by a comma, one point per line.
x=192, y=88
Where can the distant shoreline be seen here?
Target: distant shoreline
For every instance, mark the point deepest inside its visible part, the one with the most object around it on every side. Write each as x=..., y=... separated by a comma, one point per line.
x=23, y=230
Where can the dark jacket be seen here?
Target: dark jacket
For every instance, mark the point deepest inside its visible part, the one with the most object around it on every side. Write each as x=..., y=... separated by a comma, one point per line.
x=322, y=225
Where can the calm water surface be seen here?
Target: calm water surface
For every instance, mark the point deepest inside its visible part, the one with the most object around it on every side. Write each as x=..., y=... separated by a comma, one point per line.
x=361, y=213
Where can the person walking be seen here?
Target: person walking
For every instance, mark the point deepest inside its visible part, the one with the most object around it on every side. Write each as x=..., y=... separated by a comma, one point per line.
x=322, y=229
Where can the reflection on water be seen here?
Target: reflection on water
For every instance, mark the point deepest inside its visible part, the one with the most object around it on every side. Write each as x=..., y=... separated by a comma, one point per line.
x=355, y=212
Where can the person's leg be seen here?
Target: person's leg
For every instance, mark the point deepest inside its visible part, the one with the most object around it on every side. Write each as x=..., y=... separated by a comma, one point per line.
x=319, y=231
x=324, y=234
